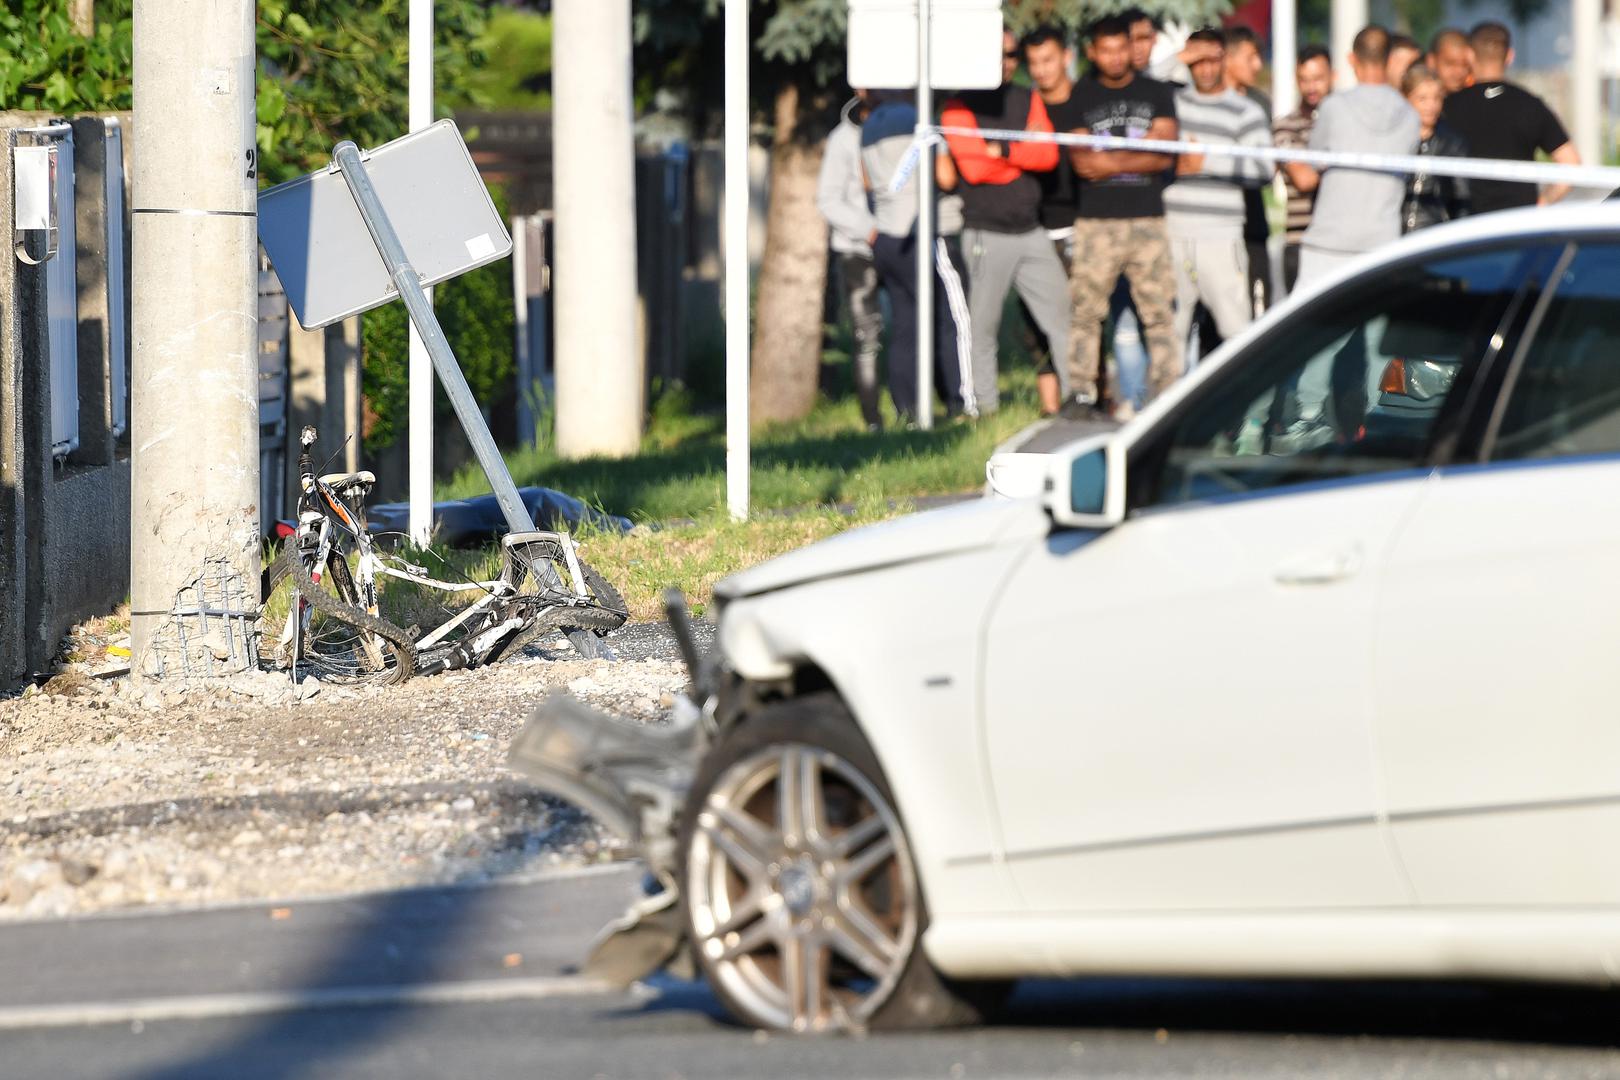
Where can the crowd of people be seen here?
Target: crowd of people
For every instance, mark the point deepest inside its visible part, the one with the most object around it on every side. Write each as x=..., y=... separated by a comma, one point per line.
x=1157, y=255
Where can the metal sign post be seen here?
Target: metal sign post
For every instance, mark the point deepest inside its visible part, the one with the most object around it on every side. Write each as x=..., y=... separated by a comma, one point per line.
x=736, y=259
x=925, y=225
x=332, y=238
x=409, y=286
x=958, y=46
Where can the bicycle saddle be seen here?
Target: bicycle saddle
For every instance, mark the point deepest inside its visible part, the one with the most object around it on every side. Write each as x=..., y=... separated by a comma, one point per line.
x=349, y=481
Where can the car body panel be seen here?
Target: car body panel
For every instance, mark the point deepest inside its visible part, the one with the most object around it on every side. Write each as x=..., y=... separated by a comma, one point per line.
x=966, y=526
x=913, y=684
x=1497, y=682
x=1198, y=680
x=1567, y=946
x=1300, y=732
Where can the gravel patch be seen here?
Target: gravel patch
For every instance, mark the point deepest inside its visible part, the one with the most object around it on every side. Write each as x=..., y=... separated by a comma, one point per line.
x=115, y=795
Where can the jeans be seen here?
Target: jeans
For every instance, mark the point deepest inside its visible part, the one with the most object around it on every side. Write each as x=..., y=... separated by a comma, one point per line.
x=1130, y=354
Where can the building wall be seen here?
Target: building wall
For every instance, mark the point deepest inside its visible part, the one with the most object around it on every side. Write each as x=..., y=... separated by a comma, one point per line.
x=64, y=524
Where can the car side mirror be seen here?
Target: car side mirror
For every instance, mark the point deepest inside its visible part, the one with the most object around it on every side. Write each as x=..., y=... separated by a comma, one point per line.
x=1086, y=487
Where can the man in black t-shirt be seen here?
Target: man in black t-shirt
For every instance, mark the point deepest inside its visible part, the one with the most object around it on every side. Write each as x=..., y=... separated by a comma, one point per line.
x=1502, y=121
x=1119, y=228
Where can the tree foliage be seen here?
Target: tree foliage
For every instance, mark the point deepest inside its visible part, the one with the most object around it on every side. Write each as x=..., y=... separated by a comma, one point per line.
x=517, y=70
x=1025, y=14
x=46, y=66
x=337, y=69
x=475, y=311
x=328, y=70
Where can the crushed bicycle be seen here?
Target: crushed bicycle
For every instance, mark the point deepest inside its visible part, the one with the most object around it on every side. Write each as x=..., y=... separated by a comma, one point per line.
x=335, y=627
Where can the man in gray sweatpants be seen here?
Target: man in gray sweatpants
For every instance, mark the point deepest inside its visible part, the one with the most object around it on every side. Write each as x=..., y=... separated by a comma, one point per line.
x=1003, y=242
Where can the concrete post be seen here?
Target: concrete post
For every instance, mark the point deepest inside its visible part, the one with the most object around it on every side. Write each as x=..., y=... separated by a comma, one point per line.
x=1284, y=57
x=306, y=401
x=342, y=415
x=599, y=369
x=1349, y=16
x=1586, y=79
x=195, y=309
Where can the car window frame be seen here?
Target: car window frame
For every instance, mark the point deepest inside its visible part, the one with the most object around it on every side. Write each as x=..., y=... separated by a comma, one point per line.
x=1458, y=428
x=1513, y=369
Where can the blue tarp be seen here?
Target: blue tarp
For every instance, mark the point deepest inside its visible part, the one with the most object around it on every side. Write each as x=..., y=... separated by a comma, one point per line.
x=474, y=522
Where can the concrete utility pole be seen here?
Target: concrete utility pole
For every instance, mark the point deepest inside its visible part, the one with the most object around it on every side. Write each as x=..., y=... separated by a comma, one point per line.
x=600, y=366
x=195, y=422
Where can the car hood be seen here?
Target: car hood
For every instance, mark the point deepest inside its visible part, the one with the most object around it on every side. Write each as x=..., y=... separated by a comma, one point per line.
x=963, y=527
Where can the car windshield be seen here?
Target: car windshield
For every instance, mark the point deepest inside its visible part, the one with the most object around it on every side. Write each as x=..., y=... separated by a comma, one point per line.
x=1350, y=387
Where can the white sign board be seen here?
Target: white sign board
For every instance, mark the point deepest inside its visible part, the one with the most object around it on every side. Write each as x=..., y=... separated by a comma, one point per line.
x=964, y=44
x=324, y=254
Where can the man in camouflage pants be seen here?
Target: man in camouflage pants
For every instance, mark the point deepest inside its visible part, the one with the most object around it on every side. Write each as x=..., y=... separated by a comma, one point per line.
x=1120, y=227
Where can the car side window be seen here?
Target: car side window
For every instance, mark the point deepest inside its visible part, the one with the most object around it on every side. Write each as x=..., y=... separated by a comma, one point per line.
x=1347, y=388
x=1563, y=399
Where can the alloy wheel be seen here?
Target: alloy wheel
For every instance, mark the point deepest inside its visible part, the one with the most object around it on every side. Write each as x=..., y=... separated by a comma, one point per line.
x=801, y=888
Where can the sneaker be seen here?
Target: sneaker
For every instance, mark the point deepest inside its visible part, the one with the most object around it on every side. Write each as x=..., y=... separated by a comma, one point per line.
x=1124, y=412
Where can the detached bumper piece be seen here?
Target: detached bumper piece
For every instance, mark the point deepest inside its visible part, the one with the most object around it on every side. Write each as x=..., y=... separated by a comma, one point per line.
x=633, y=779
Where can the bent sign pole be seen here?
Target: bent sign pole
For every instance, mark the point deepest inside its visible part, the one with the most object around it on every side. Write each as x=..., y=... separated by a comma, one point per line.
x=736, y=216
x=406, y=281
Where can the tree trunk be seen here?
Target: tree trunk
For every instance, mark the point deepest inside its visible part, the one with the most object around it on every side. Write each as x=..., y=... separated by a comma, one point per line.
x=793, y=275
x=82, y=13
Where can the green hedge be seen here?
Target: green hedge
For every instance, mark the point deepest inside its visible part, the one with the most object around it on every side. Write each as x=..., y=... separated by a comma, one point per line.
x=476, y=313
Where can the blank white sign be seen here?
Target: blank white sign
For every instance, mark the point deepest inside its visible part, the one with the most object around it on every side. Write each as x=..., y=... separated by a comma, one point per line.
x=964, y=42
x=434, y=198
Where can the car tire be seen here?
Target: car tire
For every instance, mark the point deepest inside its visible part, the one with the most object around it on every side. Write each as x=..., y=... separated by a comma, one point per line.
x=862, y=933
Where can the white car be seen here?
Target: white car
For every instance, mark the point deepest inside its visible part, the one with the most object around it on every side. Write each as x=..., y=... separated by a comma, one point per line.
x=1313, y=669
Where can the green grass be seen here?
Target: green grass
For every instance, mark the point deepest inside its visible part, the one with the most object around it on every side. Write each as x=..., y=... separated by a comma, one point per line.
x=810, y=479
x=827, y=458
x=692, y=557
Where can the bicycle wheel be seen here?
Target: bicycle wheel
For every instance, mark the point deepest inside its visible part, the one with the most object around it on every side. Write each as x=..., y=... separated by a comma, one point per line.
x=544, y=592
x=342, y=642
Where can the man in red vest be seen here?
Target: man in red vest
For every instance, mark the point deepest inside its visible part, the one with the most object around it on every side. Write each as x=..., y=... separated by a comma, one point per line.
x=1003, y=240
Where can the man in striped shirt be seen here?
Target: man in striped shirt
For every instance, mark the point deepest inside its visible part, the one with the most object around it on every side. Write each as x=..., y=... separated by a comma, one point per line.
x=1314, y=77
x=1204, y=206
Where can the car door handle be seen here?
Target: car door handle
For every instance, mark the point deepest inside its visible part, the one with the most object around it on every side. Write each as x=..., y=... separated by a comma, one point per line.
x=1319, y=568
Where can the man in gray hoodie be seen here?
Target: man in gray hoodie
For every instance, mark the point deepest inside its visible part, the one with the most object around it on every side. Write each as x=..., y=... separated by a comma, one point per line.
x=841, y=198
x=1356, y=210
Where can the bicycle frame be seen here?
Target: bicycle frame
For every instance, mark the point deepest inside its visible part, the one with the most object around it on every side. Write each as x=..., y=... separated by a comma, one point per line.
x=324, y=514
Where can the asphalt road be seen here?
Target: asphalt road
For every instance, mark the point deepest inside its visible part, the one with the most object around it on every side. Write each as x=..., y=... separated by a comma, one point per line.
x=478, y=983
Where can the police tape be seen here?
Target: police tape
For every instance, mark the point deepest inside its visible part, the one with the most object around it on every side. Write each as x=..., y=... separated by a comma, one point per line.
x=1606, y=177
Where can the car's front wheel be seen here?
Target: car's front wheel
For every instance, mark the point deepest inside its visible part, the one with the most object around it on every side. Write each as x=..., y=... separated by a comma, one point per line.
x=801, y=894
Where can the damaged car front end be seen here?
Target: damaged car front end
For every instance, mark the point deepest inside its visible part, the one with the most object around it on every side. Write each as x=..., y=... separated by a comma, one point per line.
x=767, y=810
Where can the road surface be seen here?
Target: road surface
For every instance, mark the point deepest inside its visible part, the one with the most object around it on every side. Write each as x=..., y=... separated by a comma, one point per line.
x=480, y=982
